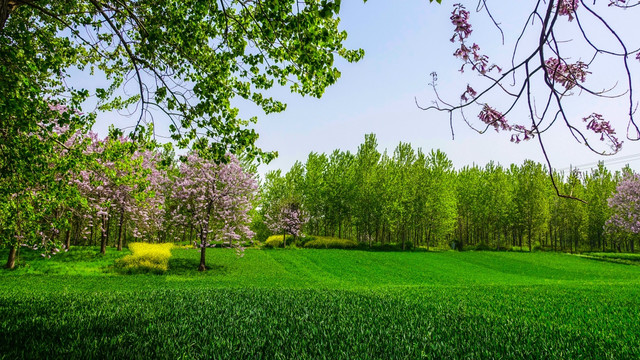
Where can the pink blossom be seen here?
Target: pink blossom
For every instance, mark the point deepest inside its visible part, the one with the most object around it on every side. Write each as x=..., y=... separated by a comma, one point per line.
x=460, y=19
x=568, y=75
x=493, y=117
x=568, y=8
x=598, y=125
x=470, y=91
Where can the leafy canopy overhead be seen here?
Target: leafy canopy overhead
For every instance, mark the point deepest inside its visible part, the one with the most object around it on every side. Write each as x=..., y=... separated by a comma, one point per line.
x=187, y=60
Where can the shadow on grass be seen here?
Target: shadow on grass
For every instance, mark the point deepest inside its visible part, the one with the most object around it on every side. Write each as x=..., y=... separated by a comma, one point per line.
x=186, y=266
x=610, y=259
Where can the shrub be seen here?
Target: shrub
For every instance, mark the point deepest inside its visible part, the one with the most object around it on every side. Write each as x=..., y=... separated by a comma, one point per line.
x=146, y=258
x=273, y=243
x=302, y=240
x=331, y=243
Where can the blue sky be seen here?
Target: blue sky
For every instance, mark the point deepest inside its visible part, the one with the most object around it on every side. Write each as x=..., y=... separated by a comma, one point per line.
x=404, y=41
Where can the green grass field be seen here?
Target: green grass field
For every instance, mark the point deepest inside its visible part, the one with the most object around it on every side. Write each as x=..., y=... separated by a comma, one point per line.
x=322, y=304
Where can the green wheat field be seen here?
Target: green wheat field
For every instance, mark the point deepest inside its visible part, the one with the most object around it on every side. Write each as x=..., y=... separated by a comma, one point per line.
x=323, y=304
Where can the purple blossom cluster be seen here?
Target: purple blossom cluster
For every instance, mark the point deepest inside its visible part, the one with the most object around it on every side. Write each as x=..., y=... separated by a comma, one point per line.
x=568, y=8
x=597, y=124
x=493, y=117
x=470, y=92
x=470, y=55
x=522, y=130
x=460, y=19
x=568, y=75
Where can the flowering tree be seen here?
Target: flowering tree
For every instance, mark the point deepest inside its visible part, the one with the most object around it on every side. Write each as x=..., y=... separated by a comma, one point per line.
x=625, y=205
x=288, y=219
x=541, y=80
x=214, y=198
x=123, y=181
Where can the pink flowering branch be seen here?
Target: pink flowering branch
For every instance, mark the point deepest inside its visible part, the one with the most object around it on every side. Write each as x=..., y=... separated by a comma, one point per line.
x=568, y=75
x=597, y=124
x=546, y=69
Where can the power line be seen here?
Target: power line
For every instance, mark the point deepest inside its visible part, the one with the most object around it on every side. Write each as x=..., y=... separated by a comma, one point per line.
x=612, y=161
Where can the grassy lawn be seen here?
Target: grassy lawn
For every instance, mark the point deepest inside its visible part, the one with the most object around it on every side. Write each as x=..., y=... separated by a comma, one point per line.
x=322, y=304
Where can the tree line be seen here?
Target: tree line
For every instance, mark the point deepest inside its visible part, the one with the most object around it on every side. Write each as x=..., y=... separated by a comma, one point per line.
x=413, y=198
x=100, y=191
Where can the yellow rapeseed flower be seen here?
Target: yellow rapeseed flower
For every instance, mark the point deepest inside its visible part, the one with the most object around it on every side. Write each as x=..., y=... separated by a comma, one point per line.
x=146, y=257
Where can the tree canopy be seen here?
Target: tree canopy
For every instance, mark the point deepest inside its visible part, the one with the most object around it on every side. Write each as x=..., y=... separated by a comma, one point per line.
x=188, y=60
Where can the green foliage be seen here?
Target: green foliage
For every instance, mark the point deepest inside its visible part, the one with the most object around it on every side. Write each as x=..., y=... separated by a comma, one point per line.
x=418, y=199
x=324, y=242
x=624, y=256
x=225, y=50
x=146, y=257
x=259, y=227
x=479, y=247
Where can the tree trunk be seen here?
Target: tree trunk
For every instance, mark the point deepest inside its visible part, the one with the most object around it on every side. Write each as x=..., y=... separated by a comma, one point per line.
x=120, y=231
x=108, y=232
x=11, y=261
x=67, y=240
x=103, y=237
x=284, y=239
x=203, y=247
x=520, y=239
x=202, y=266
